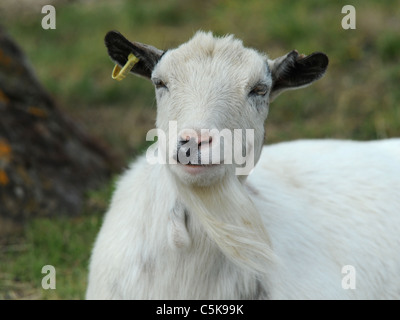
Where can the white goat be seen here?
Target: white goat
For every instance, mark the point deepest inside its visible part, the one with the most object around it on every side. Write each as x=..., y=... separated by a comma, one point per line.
x=286, y=231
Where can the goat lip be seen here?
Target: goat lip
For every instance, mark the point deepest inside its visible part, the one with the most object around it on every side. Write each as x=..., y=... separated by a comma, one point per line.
x=196, y=169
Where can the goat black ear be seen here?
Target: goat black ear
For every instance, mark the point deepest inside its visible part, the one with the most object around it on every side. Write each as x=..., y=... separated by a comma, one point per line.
x=296, y=70
x=119, y=48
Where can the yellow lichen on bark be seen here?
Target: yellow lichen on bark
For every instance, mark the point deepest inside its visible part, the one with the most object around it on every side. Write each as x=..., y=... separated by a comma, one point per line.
x=3, y=178
x=5, y=149
x=38, y=112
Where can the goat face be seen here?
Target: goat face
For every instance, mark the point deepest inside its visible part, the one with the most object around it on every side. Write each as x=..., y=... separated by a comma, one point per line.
x=214, y=90
x=213, y=96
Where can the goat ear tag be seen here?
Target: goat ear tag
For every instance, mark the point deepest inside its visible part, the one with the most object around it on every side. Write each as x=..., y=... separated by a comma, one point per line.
x=120, y=73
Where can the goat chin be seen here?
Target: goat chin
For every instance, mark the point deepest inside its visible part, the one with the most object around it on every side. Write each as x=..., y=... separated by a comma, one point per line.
x=204, y=178
x=231, y=220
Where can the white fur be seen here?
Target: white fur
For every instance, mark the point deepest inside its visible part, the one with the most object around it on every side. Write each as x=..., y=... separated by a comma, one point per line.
x=308, y=208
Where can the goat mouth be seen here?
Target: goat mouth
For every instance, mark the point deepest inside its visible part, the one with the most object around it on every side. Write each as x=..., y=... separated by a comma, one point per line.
x=197, y=168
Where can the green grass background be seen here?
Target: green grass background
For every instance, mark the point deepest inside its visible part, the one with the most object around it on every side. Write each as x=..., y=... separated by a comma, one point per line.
x=357, y=99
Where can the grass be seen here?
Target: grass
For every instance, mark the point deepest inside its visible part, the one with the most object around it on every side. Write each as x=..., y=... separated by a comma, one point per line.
x=359, y=97
x=64, y=243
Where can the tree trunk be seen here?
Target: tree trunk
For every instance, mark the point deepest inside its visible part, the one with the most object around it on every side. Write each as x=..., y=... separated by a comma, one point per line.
x=47, y=162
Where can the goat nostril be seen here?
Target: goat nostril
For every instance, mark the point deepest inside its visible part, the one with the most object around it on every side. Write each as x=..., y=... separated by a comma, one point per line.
x=205, y=142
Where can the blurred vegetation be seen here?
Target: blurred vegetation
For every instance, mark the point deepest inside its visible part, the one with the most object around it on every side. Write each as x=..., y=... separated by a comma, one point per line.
x=357, y=99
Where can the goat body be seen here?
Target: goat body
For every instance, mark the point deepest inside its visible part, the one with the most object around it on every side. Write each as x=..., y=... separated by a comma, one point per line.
x=286, y=231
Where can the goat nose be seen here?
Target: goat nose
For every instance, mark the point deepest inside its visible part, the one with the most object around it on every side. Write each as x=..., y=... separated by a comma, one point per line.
x=202, y=139
x=190, y=145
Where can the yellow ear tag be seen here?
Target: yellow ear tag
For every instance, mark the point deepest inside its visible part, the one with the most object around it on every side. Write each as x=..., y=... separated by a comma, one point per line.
x=118, y=73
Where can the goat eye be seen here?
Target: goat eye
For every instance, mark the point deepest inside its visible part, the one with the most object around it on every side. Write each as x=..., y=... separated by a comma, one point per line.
x=159, y=84
x=259, y=90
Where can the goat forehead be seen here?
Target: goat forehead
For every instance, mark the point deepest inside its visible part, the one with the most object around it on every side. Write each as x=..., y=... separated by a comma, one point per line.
x=209, y=58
